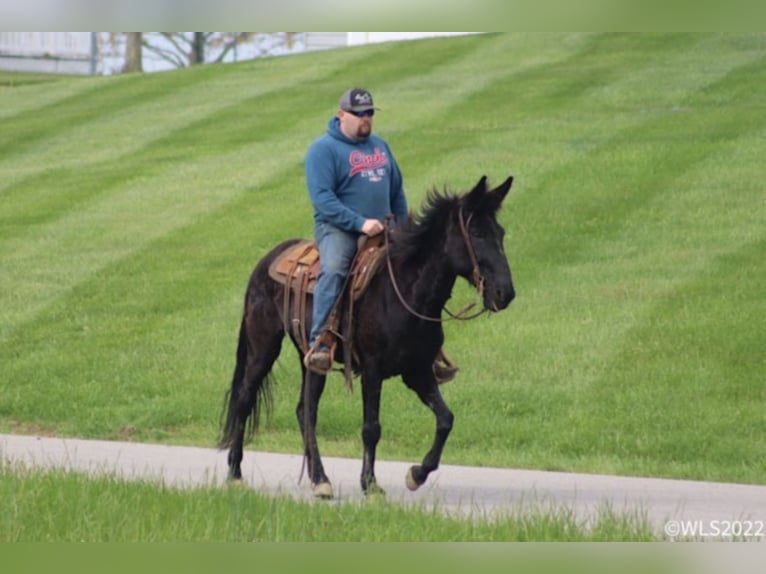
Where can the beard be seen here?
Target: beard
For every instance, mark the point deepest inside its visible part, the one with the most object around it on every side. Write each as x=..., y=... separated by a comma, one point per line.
x=364, y=130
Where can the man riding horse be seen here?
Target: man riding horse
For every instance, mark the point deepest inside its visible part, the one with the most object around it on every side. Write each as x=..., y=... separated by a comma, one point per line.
x=354, y=184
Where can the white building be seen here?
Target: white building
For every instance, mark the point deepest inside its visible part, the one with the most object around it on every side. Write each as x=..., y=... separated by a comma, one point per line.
x=323, y=40
x=50, y=52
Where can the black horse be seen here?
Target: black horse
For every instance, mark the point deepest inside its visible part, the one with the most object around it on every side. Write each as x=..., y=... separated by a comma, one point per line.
x=397, y=330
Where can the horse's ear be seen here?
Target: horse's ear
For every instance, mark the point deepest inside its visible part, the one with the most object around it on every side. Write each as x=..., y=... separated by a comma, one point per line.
x=476, y=195
x=502, y=190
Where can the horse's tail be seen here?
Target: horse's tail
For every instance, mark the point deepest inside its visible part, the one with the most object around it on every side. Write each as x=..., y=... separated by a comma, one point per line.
x=230, y=420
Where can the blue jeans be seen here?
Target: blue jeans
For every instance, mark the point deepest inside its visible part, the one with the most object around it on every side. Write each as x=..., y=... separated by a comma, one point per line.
x=336, y=251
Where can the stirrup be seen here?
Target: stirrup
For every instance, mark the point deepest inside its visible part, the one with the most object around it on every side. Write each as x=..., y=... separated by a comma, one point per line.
x=444, y=369
x=318, y=361
x=319, y=357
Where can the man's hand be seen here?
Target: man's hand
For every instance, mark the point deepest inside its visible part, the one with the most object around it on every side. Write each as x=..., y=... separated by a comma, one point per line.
x=372, y=227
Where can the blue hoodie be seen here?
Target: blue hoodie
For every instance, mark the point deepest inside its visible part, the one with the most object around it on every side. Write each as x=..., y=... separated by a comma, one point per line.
x=350, y=181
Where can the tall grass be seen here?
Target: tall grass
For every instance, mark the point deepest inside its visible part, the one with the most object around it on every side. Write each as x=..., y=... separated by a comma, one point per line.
x=53, y=505
x=132, y=210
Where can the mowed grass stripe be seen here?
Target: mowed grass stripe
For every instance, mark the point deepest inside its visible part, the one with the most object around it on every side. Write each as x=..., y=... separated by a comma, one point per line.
x=631, y=166
x=688, y=365
x=515, y=70
x=23, y=93
x=506, y=137
x=694, y=349
x=611, y=220
x=443, y=101
x=23, y=130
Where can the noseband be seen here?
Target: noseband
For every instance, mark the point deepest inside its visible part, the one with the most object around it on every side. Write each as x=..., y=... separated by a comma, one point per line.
x=478, y=280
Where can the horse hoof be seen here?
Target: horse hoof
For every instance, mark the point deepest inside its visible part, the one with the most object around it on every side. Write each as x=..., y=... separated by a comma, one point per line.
x=374, y=491
x=412, y=484
x=323, y=490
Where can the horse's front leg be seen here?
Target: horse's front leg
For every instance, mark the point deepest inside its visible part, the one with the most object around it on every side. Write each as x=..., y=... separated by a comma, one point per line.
x=371, y=389
x=427, y=389
x=307, y=413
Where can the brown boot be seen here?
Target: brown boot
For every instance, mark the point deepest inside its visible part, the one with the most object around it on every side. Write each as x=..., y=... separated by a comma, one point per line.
x=318, y=359
x=444, y=369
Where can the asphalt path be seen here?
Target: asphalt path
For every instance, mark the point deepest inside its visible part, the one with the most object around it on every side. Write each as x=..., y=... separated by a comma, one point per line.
x=668, y=504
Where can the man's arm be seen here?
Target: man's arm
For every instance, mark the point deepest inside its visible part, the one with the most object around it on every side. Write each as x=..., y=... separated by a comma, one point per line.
x=321, y=180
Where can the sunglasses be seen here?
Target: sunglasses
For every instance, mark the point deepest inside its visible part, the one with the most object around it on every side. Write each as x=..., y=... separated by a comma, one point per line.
x=363, y=114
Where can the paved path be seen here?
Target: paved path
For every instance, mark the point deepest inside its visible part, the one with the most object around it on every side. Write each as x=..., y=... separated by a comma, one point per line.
x=457, y=489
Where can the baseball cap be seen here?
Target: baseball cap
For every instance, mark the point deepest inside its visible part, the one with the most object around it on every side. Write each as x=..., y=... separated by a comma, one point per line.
x=356, y=100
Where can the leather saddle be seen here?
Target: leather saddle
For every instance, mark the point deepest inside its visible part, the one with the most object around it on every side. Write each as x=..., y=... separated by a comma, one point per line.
x=297, y=268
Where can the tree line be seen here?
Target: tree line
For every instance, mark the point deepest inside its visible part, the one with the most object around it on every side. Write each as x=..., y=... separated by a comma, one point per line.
x=183, y=49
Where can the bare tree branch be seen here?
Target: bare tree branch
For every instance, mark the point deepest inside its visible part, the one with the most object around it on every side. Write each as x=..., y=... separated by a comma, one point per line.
x=183, y=49
x=171, y=56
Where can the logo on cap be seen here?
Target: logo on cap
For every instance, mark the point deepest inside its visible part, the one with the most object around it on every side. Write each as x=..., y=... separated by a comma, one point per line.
x=361, y=99
x=356, y=100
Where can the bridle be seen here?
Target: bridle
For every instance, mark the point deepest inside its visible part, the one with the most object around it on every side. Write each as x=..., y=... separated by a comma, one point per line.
x=478, y=280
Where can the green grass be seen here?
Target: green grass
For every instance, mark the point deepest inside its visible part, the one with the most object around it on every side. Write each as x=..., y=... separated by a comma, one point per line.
x=41, y=506
x=132, y=210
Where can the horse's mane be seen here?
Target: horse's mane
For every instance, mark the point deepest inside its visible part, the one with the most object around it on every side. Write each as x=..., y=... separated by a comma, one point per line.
x=419, y=235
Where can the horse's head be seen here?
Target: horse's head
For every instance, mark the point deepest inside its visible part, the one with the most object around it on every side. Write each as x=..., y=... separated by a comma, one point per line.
x=475, y=244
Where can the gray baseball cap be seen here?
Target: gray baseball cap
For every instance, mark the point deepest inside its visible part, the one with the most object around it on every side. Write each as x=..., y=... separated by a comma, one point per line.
x=356, y=100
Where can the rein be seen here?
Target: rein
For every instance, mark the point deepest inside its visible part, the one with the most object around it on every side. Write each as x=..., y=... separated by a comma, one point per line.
x=478, y=280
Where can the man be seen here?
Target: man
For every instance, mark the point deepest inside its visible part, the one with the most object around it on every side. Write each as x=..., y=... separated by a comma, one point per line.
x=354, y=182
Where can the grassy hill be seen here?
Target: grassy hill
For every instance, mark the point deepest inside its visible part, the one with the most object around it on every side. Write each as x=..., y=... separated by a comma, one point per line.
x=133, y=208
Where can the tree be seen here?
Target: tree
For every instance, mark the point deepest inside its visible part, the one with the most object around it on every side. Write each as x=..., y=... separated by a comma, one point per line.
x=133, y=60
x=123, y=52
x=197, y=55
x=182, y=49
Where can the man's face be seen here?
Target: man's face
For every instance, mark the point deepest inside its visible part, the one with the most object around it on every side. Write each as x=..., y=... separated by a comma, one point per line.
x=356, y=125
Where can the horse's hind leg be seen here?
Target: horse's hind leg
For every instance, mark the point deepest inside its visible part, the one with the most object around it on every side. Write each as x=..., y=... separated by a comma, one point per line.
x=257, y=352
x=428, y=391
x=307, y=413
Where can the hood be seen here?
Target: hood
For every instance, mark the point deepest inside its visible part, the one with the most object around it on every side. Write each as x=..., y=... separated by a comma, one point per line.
x=333, y=130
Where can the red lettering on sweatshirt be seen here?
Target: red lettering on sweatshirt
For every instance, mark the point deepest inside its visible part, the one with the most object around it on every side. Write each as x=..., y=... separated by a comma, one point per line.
x=362, y=162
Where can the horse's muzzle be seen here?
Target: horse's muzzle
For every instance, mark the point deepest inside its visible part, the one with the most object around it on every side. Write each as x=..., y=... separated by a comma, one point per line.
x=498, y=298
